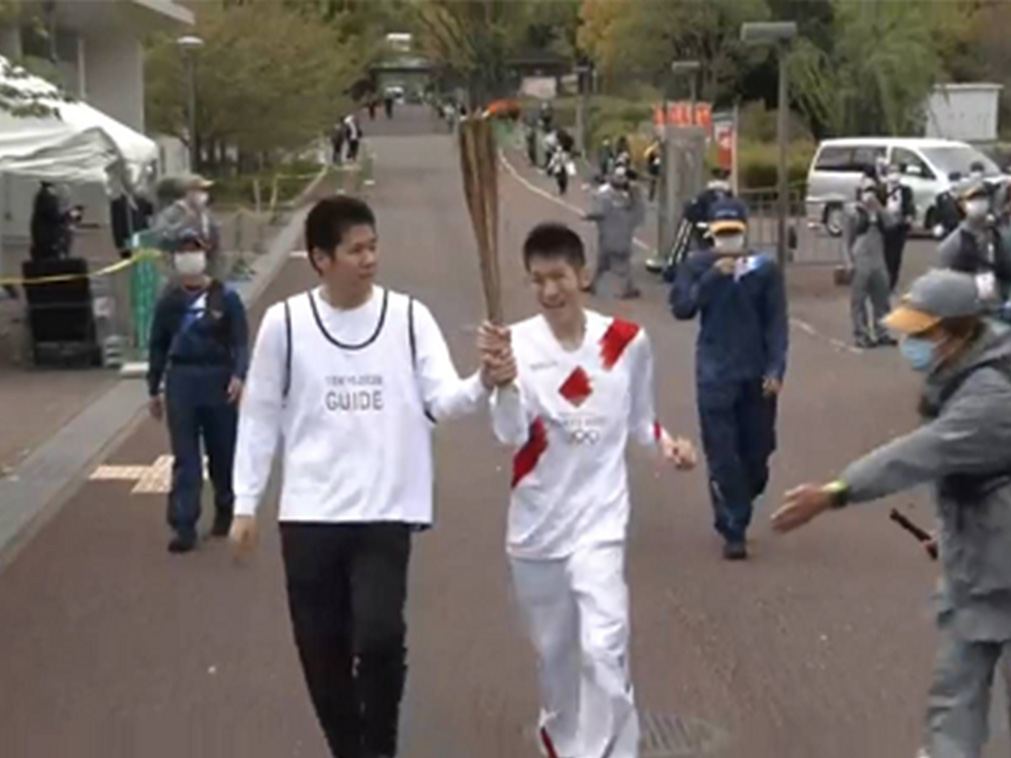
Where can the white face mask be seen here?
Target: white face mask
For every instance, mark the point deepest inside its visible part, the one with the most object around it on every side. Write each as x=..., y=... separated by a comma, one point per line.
x=191, y=264
x=199, y=199
x=894, y=179
x=977, y=209
x=729, y=244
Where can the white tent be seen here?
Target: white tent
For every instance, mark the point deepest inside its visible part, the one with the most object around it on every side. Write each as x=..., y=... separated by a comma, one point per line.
x=76, y=143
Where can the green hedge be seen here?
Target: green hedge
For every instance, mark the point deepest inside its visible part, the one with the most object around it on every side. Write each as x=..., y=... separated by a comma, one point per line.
x=757, y=163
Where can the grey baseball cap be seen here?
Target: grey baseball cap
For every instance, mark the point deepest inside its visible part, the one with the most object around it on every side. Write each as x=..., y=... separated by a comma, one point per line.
x=934, y=297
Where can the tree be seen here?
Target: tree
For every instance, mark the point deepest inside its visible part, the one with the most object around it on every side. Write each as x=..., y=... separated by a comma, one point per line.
x=269, y=78
x=878, y=74
x=474, y=39
x=641, y=39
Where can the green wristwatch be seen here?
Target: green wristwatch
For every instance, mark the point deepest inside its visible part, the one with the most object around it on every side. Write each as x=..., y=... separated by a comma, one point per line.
x=840, y=493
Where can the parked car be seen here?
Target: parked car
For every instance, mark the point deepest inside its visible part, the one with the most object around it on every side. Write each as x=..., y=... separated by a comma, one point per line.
x=928, y=167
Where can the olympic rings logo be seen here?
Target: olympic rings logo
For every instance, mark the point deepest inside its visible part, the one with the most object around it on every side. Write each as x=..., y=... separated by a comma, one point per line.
x=583, y=437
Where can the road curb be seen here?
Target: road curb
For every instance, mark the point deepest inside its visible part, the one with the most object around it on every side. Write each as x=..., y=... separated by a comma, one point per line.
x=44, y=481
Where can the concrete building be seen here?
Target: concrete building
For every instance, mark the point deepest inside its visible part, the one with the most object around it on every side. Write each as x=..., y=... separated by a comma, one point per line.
x=96, y=47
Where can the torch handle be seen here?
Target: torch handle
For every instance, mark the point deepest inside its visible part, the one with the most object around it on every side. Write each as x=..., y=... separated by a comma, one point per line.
x=921, y=534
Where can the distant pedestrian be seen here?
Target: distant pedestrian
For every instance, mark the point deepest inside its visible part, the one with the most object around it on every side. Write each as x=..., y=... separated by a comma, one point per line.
x=389, y=102
x=337, y=139
x=353, y=136
x=561, y=169
x=900, y=204
x=962, y=451
x=530, y=133
x=373, y=107
x=618, y=211
x=867, y=223
x=128, y=215
x=191, y=214
x=740, y=363
x=654, y=166
x=199, y=346
x=605, y=161
x=980, y=246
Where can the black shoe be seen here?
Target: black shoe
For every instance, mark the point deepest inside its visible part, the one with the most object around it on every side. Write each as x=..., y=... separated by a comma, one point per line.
x=887, y=342
x=222, y=526
x=632, y=294
x=865, y=343
x=182, y=544
x=735, y=551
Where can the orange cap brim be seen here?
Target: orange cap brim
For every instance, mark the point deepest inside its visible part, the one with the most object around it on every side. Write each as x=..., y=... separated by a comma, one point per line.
x=906, y=320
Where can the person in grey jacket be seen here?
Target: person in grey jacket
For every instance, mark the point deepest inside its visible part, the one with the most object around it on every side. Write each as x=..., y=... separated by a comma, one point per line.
x=980, y=246
x=618, y=210
x=190, y=214
x=867, y=223
x=963, y=449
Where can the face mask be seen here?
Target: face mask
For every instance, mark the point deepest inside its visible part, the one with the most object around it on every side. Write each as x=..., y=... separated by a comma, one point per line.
x=977, y=209
x=894, y=179
x=729, y=244
x=975, y=175
x=919, y=353
x=199, y=199
x=191, y=264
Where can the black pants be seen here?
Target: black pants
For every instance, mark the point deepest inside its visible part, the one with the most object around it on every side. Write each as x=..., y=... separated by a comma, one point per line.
x=347, y=585
x=895, y=245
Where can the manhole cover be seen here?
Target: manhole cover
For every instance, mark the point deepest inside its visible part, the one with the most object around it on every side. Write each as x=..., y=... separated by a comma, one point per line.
x=665, y=735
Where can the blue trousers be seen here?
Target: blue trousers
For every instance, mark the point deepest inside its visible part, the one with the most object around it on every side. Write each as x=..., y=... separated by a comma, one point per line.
x=739, y=436
x=198, y=411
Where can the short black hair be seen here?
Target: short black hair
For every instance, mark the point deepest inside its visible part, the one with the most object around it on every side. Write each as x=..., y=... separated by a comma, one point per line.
x=554, y=241
x=331, y=218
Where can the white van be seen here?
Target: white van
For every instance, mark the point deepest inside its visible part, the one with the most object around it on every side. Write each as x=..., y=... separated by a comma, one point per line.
x=927, y=166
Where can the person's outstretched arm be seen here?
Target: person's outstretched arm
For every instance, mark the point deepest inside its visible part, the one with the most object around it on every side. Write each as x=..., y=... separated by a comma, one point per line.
x=444, y=393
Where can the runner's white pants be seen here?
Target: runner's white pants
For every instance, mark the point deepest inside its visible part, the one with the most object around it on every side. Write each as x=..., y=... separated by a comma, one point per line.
x=576, y=611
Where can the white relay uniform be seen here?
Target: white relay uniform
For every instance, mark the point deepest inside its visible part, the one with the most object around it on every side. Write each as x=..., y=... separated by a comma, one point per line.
x=363, y=388
x=570, y=417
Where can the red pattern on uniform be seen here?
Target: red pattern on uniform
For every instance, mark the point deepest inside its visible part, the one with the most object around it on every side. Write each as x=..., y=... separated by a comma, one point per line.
x=657, y=431
x=577, y=388
x=527, y=457
x=549, y=746
x=618, y=337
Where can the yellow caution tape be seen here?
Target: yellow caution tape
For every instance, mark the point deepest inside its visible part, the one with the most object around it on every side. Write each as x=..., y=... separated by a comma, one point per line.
x=142, y=255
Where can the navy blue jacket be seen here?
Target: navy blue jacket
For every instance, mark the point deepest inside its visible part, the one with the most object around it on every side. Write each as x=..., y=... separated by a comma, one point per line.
x=185, y=333
x=744, y=334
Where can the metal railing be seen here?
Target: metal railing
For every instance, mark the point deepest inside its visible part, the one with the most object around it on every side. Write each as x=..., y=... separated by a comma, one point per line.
x=806, y=245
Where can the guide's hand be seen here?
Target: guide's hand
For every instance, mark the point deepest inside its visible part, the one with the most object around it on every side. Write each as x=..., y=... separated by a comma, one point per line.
x=802, y=506
x=771, y=386
x=235, y=390
x=726, y=266
x=243, y=536
x=156, y=407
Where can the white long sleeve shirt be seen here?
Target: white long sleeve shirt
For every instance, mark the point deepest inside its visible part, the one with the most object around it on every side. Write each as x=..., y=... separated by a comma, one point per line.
x=570, y=416
x=365, y=386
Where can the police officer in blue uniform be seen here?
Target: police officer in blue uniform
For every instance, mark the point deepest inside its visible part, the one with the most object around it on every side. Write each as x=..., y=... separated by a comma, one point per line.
x=199, y=344
x=740, y=364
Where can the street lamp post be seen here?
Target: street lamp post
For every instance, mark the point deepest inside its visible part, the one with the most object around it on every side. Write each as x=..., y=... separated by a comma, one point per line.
x=691, y=70
x=667, y=217
x=189, y=46
x=779, y=35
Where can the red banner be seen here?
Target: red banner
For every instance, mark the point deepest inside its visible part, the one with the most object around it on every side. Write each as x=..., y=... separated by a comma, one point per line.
x=680, y=114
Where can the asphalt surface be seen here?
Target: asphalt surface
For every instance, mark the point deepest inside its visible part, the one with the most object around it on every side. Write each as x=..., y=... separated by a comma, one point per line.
x=820, y=647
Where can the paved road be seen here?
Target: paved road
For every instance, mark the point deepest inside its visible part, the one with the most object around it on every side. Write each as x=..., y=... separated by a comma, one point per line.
x=818, y=648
